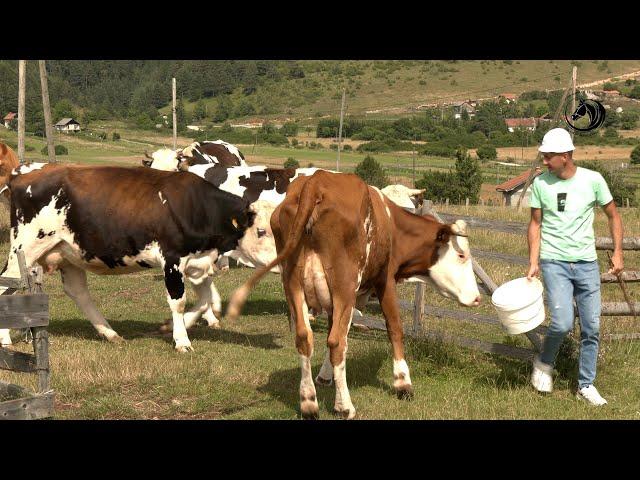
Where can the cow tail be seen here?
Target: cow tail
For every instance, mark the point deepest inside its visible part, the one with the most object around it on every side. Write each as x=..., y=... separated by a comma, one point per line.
x=309, y=197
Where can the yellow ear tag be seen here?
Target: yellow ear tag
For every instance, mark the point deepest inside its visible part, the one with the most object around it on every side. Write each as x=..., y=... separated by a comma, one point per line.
x=234, y=222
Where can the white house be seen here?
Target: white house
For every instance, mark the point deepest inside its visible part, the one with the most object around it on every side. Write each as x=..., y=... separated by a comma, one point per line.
x=67, y=125
x=528, y=123
x=459, y=107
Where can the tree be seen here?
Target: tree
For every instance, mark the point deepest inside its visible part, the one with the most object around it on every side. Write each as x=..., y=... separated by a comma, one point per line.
x=63, y=109
x=635, y=92
x=487, y=152
x=469, y=175
x=371, y=172
x=289, y=129
x=635, y=155
x=200, y=110
x=223, y=109
x=291, y=163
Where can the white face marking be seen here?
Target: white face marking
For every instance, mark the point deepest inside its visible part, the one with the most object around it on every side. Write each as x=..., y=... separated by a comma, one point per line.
x=162, y=199
x=165, y=159
x=452, y=275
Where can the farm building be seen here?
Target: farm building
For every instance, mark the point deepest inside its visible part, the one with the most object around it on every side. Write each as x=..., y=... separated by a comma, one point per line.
x=508, y=97
x=512, y=189
x=460, y=107
x=67, y=125
x=9, y=119
x=522, y=123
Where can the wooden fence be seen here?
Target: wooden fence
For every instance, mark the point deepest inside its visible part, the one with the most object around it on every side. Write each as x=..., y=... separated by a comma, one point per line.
x=487, y=285
x=29, y=311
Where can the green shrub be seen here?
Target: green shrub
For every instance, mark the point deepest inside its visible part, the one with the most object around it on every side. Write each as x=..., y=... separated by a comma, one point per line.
x=59, y=149
x=347, y=148
x=635, y=155
x=372, y=172
x=487, y=152
x=115, y=136
x=291, y=163
x=438, y=150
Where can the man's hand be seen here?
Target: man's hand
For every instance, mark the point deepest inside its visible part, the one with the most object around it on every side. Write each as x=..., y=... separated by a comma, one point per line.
x=534, y=270
x=618, y=263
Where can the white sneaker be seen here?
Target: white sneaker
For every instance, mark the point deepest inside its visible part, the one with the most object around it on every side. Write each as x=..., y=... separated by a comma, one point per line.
x=591, y=395
x=541, y=376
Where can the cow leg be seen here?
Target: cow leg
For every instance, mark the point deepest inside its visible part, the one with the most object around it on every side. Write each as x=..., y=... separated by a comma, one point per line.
x=389, y=303
x=74, y=282
x=177, y=298
x=203, y=292
x=343, y=305
x=214, y=313
x=304, y=343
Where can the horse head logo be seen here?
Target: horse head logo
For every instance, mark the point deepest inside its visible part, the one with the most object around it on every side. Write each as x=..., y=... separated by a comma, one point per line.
x=591, y=109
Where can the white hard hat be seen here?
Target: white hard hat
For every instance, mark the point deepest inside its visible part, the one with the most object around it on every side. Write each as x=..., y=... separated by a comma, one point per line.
x=556, y=140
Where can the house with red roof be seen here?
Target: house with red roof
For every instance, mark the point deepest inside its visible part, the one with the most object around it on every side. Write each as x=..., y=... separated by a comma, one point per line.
x=512, y=189
x=9, y=119
x=521, y=123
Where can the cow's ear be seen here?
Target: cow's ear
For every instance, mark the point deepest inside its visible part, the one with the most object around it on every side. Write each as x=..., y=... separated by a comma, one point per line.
x=443, y=235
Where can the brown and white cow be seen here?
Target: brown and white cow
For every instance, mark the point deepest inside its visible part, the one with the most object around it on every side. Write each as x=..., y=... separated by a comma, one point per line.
x=116, y=220
x=338, y=240
x=8, y=161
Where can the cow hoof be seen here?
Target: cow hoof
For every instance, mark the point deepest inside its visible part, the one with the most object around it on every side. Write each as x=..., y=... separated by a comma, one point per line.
x=325, y=382
x=347, y=414
x=115, y=338
x=309, y=410
x=166, y=328
x=184, y=348
x=215, y=325
x=405, y=392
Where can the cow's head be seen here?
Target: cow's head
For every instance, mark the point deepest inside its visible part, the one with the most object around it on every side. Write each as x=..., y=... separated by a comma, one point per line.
x=452, y=273
x=258, y=244
x=165, y=159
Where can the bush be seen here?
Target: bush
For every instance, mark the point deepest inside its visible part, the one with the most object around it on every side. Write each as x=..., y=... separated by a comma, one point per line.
x=102, y=135
x=60, y=150
x=438, y=150
x=635, y=155
x=464, y=182
x=620, y=190
x=289, y=129
x=371, y=172
x=115, y=136
x=291, y=163
x=347, y=148
x=635, y=92
x=487, y=152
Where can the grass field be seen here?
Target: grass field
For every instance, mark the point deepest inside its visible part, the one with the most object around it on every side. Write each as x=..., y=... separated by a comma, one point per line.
x=249, y=369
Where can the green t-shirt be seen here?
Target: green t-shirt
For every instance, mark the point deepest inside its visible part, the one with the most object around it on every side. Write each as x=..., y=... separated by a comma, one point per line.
x=567, y=213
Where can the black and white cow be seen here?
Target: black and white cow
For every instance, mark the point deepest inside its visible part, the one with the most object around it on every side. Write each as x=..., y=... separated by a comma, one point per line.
x=216, y=152
x=116, y=220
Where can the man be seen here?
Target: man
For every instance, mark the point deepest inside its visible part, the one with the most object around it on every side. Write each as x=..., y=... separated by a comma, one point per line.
x=561, y=234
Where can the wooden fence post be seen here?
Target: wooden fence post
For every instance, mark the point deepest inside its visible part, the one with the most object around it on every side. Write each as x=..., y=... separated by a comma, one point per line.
x=418, y=304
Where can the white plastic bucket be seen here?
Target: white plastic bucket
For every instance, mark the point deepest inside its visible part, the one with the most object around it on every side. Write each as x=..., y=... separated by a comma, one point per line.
x=519, y=304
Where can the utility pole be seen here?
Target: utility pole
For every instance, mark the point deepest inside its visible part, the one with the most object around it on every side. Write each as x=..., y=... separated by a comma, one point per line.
x=46, y=107
x=344, y=90
x=175, y=125
x=22, y=66
x=574, y=77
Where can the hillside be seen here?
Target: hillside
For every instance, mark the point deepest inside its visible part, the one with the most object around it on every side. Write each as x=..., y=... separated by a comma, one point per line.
x=244, y=91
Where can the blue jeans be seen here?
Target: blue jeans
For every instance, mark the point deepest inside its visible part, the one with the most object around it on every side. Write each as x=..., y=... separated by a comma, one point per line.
x=563, y=281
